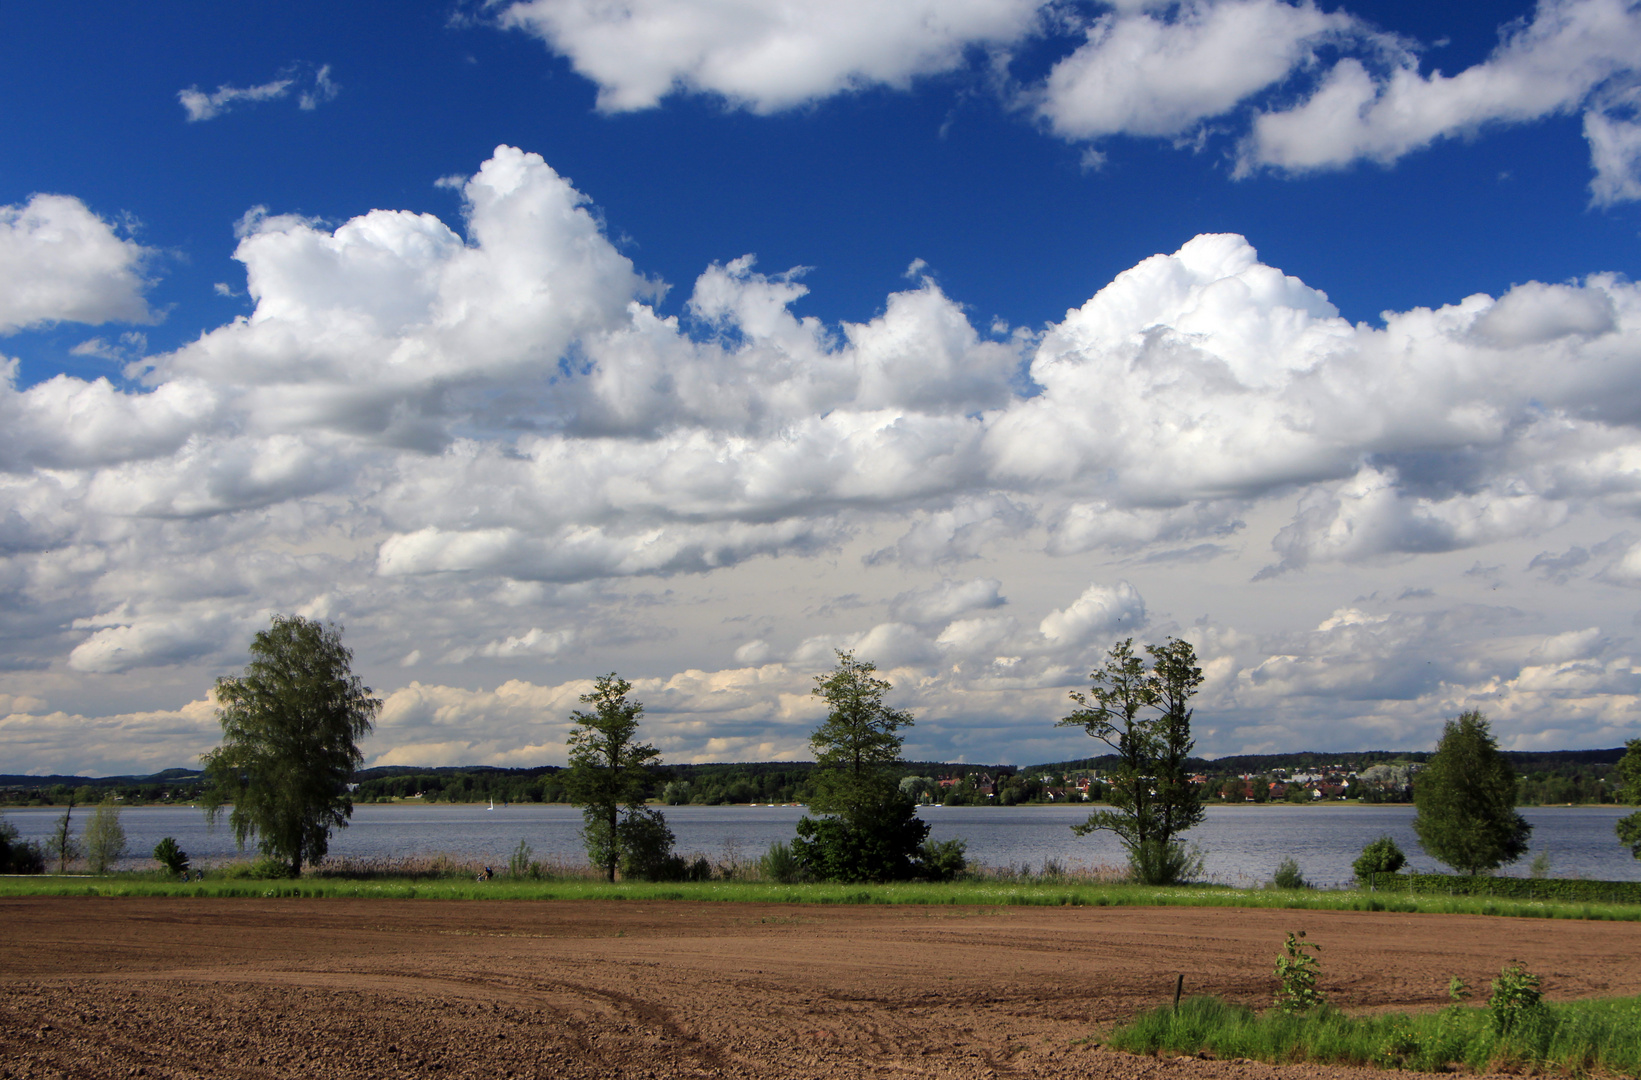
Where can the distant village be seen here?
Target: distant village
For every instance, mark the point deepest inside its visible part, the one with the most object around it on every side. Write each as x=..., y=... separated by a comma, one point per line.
x=1376, y=783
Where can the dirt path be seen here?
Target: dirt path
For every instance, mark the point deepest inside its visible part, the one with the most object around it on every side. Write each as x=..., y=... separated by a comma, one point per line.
x=360, y=988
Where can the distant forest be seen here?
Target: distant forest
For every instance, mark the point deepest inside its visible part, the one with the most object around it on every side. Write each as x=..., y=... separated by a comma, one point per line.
x=1544, y=777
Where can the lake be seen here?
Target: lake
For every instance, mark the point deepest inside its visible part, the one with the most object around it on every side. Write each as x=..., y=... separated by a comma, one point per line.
x=1242, y=845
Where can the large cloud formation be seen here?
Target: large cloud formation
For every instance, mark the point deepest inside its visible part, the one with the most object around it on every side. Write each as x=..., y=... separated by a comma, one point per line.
x=1305, y=89
x=477, y=447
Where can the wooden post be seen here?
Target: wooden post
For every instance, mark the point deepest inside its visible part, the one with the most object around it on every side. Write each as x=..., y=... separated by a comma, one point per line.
x=1179, y=984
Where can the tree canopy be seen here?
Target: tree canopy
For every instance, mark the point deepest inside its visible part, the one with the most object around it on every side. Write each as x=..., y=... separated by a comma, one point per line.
x=860, y=736
x=1466, y=799
x=1144, y=715
x=291, y=727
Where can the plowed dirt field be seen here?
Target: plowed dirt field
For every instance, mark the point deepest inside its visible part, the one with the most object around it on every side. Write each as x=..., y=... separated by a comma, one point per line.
x=361, y=988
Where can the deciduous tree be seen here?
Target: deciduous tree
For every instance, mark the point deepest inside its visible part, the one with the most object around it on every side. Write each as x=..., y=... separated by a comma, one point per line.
x=291, y=726
x=1144, y=715
x=609, y=777
x=1629, y=791
x=871, y=831
x=1466, y=799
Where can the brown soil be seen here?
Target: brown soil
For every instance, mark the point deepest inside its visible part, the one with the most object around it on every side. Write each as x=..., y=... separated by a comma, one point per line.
x=361, y=988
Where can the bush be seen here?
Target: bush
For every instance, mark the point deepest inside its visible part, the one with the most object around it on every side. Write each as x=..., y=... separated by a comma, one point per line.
x=1380, y=857
x=18, y=856
x=1516, y=1000
x=271, y=868
x=104, y=837
x=878, y=840
x=170, y=856
x=263, y=868
x=942, y=861
x=646, y=849
x=780, y=865
x=1296, y=974
x=1157, y=863
x=1287, y=876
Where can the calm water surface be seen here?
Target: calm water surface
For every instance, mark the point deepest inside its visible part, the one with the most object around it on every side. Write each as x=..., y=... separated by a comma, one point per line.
x=1241, y=844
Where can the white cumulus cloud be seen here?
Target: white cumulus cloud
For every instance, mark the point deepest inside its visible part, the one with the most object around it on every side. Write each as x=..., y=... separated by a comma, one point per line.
x=948, y=600
x=121, y=642
x=1367, y=517
x=1102, y=611
x=1161, y=72
x=59, y=262
x=1545, y=66
x=762, y=56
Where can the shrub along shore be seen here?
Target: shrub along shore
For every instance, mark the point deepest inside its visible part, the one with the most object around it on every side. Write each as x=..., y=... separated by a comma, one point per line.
x=1571, y=890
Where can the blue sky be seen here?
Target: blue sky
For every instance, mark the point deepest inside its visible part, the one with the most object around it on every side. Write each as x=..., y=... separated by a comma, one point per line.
x=429, y=320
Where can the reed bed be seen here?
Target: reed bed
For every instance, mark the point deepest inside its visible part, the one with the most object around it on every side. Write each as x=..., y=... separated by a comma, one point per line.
x=443, y=867
x=1051, y=872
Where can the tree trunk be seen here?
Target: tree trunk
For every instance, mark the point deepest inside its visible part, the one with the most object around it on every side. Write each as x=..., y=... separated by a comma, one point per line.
x=62, y=839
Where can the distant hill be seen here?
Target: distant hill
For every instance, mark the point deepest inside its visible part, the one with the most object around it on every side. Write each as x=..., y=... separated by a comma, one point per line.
x=28, y=783
x=1524, y=761
x=388, y=772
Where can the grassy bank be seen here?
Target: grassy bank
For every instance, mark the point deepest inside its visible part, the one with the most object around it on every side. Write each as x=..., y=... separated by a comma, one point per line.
x=1575, y=1038
x=1037, y=893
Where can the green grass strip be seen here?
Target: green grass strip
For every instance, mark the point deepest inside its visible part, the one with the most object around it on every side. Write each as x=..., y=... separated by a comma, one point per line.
x=1573, y=1038
x=1034, y=894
